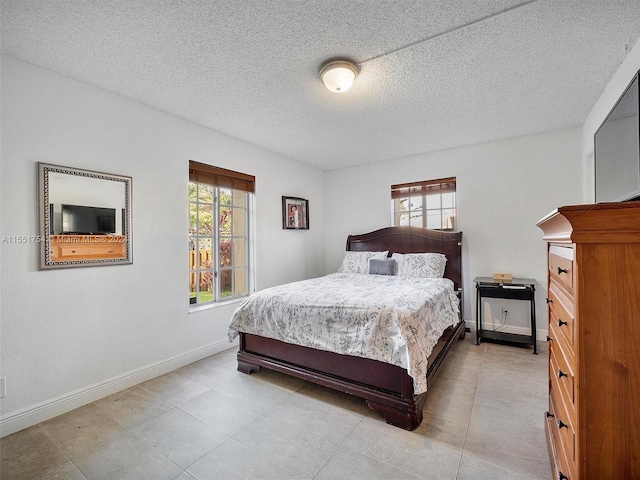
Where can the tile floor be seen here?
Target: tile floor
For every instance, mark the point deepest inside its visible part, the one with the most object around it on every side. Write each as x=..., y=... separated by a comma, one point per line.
x=483, y=420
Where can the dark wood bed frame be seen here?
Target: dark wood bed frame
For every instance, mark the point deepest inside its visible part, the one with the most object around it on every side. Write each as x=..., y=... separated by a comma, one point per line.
x=388, y=389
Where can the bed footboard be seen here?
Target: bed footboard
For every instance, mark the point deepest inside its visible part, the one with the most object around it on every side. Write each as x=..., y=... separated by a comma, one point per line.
x=386, y=388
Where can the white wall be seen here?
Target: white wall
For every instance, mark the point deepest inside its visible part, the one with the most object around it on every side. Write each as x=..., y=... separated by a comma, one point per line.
x=503, y=189
x=70, y=336
x=616, y=86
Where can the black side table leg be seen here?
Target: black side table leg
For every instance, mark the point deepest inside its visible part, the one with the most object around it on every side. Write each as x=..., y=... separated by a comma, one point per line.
x=533, y=320
x=478, y=322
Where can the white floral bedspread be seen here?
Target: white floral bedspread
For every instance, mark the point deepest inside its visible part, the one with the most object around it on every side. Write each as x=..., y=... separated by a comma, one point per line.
x=393, y=319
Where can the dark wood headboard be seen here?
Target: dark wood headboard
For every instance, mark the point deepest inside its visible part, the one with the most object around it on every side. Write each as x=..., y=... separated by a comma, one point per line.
x=414, y=240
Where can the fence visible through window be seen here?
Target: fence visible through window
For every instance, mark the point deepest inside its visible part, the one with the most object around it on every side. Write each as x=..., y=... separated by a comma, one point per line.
x=218, y=233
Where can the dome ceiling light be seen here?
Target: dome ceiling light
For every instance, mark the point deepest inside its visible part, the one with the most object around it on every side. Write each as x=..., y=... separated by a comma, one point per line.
x=338, y=74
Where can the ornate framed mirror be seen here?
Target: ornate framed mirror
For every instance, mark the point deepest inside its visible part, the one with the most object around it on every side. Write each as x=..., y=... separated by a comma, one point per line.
x=85, y=217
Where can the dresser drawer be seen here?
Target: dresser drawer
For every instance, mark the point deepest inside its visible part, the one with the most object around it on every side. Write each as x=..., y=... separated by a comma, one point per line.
x=88, y=251
x=564, y=470
x=562, y=324
x=562, y=428
x=87, y=247
x=562, y=465
x=561, y=373
x=561, y=266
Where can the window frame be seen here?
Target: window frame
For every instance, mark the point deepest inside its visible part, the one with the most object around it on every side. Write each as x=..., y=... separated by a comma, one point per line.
x=220, y=182
x=424, y=190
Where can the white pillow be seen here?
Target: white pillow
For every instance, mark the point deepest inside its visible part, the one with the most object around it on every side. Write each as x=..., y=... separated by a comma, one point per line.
x=358, y=262
x=425, y=265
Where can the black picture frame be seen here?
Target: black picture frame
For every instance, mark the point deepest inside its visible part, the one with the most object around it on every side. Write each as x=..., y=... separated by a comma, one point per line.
x=295, y=213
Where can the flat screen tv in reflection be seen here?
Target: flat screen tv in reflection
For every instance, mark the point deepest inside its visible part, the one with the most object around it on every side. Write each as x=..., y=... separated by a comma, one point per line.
x=617, y=150
x=84, y=220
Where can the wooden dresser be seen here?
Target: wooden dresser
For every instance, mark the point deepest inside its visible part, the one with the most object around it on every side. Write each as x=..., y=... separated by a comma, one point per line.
x=593, y=422
x=87, y=247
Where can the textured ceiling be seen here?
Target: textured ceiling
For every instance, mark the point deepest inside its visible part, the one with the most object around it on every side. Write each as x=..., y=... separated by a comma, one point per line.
x=486, y=70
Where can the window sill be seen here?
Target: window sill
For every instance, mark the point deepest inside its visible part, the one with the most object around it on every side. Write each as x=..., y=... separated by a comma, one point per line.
x=209, y=306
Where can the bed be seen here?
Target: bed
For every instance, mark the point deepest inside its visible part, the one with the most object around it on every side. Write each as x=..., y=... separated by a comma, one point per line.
x=388, y=388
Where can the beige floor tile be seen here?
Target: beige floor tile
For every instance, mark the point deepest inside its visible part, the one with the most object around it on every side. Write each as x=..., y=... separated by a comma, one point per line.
x=229, y=355
x=445, y=404
x=466, y=353
x=185, y=476
x=133, y=406
x=66, y=471
x=512, y=374
x=432, y=451
x=512, y=357
x=462, y=387
x=483, y=418
x=125, y=457
x=205, y=371
x=447, y=431
x=466, y=366
x=509, y=435
x=241, y=386
x=83, y=427
x=234, y=461
x=180, y=436
x=529, y=395
x=331, y=414
x=297, y=449
x=472, y=468
x=28, y=454
x=349, y=465
x=221, y=374
x=226, y=414
x=174, y=388
x=334, y=424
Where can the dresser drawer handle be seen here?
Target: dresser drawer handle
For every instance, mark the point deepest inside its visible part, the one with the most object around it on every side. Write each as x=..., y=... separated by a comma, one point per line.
x=561, y=374
x=561, y=323
x=561, y=424
x=562, y=476
x=73, y=251
x=550, y=415
x=562, y=270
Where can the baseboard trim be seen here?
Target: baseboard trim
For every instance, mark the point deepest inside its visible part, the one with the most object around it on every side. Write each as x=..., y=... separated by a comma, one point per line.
x=40, y=412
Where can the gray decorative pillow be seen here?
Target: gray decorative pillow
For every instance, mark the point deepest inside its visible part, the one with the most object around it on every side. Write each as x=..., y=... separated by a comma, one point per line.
x=385, y=266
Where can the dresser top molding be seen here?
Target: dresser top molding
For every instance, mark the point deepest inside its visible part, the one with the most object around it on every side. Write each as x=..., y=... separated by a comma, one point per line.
x=617, y=222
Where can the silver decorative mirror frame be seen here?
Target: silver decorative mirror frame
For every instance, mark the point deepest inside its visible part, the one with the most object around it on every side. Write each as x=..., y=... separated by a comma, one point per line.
x=91, y=193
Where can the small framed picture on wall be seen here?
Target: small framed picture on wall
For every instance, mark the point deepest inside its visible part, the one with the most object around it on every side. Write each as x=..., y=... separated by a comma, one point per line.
x=295, y=213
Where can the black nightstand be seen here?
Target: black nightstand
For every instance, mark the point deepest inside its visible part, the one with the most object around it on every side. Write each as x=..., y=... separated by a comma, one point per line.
x=517, y=289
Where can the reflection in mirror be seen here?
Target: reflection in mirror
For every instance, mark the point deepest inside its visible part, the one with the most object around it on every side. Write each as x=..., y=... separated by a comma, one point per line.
x=85, y=217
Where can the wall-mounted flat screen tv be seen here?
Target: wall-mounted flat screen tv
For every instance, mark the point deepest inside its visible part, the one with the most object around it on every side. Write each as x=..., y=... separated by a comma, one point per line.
x=84, y=220
x=617, y=150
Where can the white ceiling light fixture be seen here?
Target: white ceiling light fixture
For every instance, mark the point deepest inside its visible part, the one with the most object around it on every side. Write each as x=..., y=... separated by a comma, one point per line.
x=338, y=74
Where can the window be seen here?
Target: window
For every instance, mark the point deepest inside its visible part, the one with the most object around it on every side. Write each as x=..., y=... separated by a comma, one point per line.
x=428, y=204
x=219, y=233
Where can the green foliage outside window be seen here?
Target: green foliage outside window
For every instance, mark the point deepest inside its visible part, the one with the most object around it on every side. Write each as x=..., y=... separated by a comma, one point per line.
x=208, y=264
